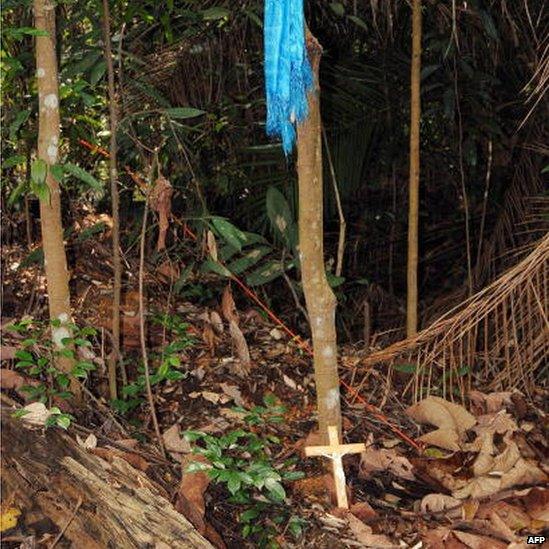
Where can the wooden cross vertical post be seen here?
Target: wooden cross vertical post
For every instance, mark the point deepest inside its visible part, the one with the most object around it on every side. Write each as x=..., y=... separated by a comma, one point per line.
x=335, y=451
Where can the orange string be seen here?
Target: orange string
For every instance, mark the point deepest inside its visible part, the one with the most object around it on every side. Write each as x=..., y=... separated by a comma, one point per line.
x=376, y=412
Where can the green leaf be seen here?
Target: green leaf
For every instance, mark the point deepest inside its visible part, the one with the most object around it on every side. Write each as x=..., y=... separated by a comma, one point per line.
x=57, y=171
x=81, y=174
x=39, y=170
x=428, y=70
x=489, y=25
x=249, y=515
x=275, y=489
x=358, y=21
x=63, y=421
x=266, y=273
x=280, y=216
x=231, y=234
x=20, y=118
x=215, y=267
x=98, y=72
x=12, y=161
x=338, y=8
x=234, y=483
x=215, y=13
x=23, y=355
x=248, y=260
x=184, y=112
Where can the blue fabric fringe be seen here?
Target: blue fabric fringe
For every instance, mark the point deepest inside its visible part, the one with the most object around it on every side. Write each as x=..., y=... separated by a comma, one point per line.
x=288, y=74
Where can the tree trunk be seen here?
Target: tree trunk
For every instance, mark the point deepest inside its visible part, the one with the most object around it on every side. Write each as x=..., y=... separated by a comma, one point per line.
x=94, y=503
x=113, y=172
x=55, y=259
x=413, y=215
x=320, y=300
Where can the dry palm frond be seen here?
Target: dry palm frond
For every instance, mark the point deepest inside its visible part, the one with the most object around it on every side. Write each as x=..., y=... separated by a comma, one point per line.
x=500, y=335
x=520, y=223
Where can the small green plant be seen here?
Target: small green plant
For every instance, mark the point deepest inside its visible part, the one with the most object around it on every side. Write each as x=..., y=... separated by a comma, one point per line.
x=38, y=352
x=167, y=362
x=242, y=461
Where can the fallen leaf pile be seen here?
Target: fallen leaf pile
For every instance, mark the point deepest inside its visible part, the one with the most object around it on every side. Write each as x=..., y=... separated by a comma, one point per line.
x=497, y=463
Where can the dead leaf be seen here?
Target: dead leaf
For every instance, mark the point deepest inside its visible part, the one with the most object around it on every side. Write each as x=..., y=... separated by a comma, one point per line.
x=501, y=527
x=217, y=323
x=161, y=203
x=441, y=537
x=211, y=245
x=7, y=352
x=110, y=454
x=242, y=350
x=36, y=413
x=168, y=269
x=190, y=495
x=478, y=542
x=234, y=392
x=211, y=397
x=228, y=307
x=490, y=403
x=89, y=443
x=441, y=503
x=190, y=498
x=451, y=419
x=364, y=534
x=363, y=511
x=208, y=336
x=174, y=443
x=10, y=379
x=537, y=504
x=385, y=459
x=523, y=472
x=513, y=516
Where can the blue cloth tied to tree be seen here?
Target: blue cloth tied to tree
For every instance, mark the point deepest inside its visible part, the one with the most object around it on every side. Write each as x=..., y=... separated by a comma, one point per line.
x=288, y=74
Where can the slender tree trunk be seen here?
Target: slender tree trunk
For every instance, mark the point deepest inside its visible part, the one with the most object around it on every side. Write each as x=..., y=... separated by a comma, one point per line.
x=55, y=259
x=113, y=172
x=413, y=215
x=320, y=300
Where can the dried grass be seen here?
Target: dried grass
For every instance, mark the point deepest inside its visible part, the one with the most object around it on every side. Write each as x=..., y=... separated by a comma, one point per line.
x=500, y=336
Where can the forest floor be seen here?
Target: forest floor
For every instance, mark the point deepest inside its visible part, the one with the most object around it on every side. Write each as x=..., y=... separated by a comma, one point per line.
x=480, y=480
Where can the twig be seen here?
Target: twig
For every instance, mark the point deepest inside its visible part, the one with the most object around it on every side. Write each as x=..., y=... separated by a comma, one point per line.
x=463, y=186
x=342, y=222
x=292, y=289
x=67, y=524
x=485, y=202
x=142, y=319
x=115, y=359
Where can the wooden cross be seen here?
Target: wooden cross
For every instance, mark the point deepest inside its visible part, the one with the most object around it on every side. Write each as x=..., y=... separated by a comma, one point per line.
x=335, y=452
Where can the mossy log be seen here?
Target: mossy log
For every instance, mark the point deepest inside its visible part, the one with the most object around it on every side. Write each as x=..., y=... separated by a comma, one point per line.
x=95, y=504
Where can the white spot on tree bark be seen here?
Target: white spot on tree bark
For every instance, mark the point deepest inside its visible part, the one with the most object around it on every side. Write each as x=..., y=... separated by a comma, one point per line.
x=40, y=72
x=328, y=352
x=332, y=399
x=51, y=101
x=52, y=153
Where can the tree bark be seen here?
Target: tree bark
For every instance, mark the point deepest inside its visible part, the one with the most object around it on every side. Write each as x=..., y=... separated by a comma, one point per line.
x=113, y=174
x=55, y=259
x=320, y=299
x=413, y=214
x=94, y=503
